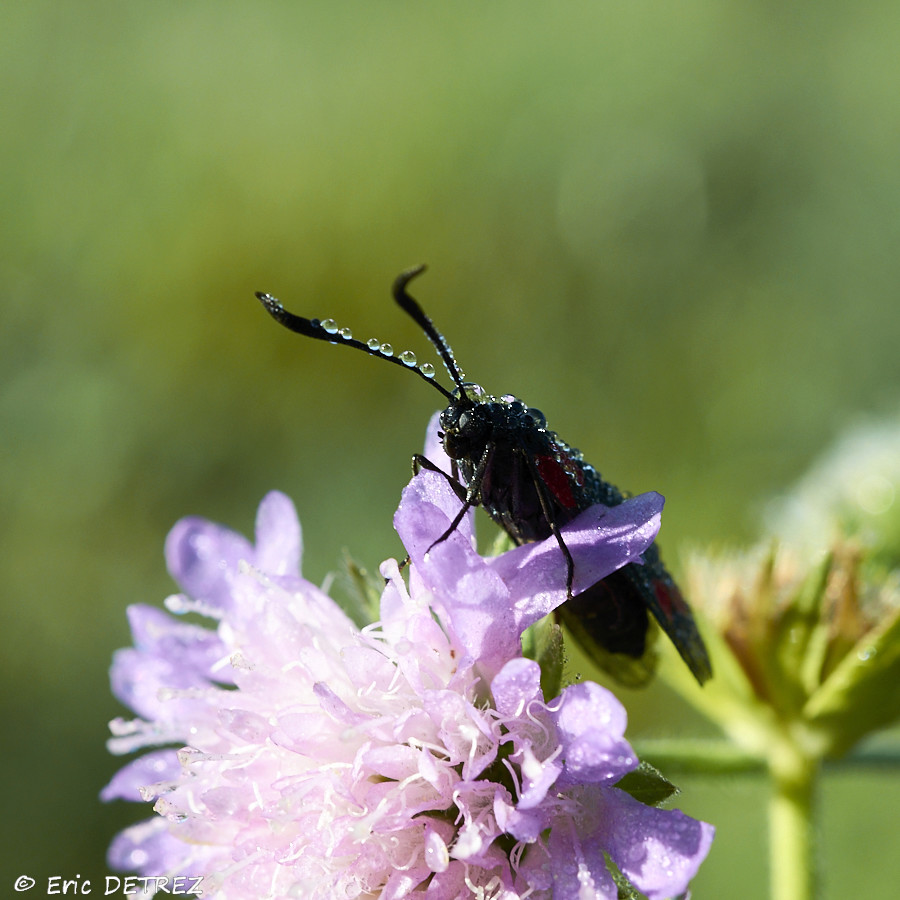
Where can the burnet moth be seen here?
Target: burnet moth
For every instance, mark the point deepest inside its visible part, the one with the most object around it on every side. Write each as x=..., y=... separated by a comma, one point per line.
x=531, y=483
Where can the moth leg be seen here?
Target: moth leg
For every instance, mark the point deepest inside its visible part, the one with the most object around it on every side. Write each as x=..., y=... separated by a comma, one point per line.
x=453, y=525
x=469, y=496
x=547, y=510
x=420, y=462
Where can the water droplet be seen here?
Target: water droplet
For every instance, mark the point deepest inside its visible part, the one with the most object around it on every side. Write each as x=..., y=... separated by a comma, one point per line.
x=177, y=603
x=471, y=390
x=866, y=654
x=387, y=350
x=346, y=334
x=408, y=358
x=427, y=369
x=373, y=345
x=330, y=326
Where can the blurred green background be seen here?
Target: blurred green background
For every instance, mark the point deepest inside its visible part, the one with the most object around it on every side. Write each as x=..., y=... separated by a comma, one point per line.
x=672, y=227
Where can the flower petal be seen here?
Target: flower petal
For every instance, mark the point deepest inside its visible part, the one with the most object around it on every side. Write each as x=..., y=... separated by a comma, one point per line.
x=149, y=769
x=476, y=599
x=600, y=539
x=516, y=685
x=203, y=558
x=434, y=447
x=659, y=850
x=591, y=724
x=279, y=540
x=578, y=867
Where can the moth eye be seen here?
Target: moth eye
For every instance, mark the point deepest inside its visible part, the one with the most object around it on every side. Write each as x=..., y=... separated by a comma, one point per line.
x=449, y=418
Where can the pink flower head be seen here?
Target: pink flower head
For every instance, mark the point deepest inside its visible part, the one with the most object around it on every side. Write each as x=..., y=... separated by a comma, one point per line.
x=414, y=757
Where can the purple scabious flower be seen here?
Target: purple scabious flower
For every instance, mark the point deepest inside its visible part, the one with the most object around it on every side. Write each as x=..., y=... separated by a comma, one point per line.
x=415, y=757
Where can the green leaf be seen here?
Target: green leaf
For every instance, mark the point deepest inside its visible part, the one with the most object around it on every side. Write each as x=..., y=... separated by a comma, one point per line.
x=799, y=640
x=862, y=694
x=358, y=591
x=543, y=642
x=647, y=785
x=500, y=544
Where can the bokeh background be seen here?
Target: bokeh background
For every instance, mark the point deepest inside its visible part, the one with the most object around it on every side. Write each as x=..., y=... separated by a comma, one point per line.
x=671, y=226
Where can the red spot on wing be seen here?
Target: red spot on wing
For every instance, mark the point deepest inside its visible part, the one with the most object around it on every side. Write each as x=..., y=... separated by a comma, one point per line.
x=556, y=480
x=669, y=598
x=674, y=615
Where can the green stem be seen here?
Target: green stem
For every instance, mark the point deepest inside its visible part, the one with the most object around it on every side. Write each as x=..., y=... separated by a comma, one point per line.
x=791, y=828
x=716, y=756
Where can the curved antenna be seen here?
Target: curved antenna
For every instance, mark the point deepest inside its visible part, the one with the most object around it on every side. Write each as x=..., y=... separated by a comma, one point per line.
x=329, y=332
x=411, y=307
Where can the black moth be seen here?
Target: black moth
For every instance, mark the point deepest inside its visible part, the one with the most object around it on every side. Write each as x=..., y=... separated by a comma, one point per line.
x=532, y=483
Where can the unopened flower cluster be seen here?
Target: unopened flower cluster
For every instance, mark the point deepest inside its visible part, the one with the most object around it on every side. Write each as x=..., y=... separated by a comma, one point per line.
x=297, y=755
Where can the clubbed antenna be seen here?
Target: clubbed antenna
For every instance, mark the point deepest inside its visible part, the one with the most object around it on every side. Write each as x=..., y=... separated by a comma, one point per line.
x=411, y=307
x=329, y=331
